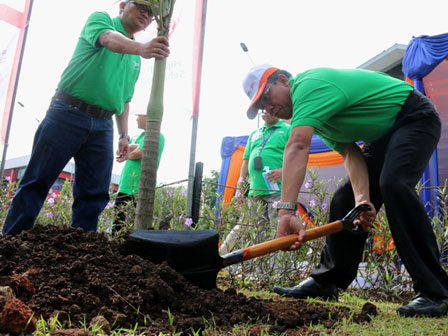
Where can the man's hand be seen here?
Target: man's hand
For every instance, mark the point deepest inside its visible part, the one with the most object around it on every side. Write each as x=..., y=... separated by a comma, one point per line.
x=275, y=175
x=366, y=218
x=123, y=150
x=157, y=48
x=288, y=224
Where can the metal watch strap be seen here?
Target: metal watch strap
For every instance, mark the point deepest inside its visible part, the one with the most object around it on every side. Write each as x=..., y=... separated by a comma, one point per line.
x=287, y=206
x=124, y=136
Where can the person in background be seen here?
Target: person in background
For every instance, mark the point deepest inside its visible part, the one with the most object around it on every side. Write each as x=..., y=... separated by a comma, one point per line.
x=400, y=128
x=97, y=84
x=130, y=175
x=262, y=163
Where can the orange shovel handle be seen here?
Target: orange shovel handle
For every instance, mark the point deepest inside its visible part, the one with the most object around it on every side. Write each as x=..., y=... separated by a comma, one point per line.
x=284, y=242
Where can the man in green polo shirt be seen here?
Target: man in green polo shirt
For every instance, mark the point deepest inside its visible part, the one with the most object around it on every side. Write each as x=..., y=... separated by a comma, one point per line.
x=130, y=175
x=97, y=84
x=400, y=128
x=262, y=163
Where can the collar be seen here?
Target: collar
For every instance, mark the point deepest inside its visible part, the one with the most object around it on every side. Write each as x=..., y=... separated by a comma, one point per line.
x=279, y=123
x=119, y=26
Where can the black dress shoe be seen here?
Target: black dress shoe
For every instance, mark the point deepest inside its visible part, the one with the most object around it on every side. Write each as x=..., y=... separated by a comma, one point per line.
x=424, y=306
x=309, y=288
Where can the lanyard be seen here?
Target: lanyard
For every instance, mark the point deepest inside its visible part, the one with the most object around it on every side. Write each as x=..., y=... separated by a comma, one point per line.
x=264, y=140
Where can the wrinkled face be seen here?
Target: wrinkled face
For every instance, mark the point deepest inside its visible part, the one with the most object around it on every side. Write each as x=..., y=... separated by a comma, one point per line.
x=276, y=98
x=134, y=16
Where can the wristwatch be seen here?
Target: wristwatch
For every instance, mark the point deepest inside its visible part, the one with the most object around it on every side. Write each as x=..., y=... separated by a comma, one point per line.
x=287, y=206
x=124, y=136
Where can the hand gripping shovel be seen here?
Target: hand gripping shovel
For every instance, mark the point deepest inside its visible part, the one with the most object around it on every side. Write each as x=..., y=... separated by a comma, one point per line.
x=194, y=254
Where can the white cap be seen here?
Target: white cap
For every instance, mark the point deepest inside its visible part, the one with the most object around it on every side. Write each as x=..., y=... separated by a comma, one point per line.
x=254, y=85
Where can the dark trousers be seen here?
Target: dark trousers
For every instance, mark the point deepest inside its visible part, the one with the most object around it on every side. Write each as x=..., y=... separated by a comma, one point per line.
x=395, y=163
x=120, y=214
x=66, y=132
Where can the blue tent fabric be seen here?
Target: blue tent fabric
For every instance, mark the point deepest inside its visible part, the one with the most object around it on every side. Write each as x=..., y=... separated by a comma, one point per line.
x=422, y=55
x=228, y=146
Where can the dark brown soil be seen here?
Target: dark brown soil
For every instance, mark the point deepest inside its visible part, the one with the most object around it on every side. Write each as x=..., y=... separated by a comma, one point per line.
x=80, y=276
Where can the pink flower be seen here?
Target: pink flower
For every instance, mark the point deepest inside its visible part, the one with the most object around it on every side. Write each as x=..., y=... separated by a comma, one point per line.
x=324, y=206
x=274, y=204
x=188, y=222
x=51, y=201
x=50, y=215
x=8, y=178
x=312, y=203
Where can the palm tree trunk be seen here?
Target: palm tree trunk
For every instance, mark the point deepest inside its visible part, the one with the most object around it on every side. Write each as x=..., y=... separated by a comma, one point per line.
x=148, y=174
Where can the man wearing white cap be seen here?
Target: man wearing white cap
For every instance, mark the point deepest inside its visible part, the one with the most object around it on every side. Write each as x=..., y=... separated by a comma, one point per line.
x=400, y=128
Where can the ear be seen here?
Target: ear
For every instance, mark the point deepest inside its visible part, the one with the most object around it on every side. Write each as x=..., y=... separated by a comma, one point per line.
x=122, y=5
x=283, y=79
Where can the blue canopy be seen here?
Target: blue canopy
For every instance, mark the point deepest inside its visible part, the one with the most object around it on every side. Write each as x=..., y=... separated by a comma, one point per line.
x=422, y=55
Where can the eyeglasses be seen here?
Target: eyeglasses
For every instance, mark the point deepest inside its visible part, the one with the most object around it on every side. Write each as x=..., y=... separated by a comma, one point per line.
x=264, y=99
x=142, y=8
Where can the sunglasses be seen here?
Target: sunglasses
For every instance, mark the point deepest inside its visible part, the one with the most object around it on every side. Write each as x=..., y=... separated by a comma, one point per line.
x=264, y=99
x=142, y=8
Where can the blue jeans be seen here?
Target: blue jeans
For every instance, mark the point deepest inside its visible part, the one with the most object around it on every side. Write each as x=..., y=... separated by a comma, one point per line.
x=64, y=133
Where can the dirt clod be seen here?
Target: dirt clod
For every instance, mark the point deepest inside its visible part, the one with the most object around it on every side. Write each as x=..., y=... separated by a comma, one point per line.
x=16, y=317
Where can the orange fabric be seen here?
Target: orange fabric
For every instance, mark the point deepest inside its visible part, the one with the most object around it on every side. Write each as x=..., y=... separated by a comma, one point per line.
x=410, y=81
x=233, y=174
x=379, y=244
x=325, y=159
x=304, y=215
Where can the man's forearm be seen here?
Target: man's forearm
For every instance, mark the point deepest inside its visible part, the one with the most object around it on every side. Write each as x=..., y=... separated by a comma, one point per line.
x=356, y=168
x=294, y=169
x=122, y=120
x=116, y=42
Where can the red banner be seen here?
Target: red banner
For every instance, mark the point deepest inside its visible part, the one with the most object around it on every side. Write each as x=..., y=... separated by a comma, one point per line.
x=13, y=23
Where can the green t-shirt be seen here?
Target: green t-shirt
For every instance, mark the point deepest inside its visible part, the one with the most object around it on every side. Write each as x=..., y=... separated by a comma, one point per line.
x=271, y=154
x=345, y=106
x=97, y=75
x=130, y=176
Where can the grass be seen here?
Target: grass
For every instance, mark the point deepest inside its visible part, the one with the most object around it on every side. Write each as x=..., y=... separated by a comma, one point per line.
x=387, y=322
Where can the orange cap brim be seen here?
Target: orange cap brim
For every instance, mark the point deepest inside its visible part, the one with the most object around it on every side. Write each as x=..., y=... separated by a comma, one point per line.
x=251, y=111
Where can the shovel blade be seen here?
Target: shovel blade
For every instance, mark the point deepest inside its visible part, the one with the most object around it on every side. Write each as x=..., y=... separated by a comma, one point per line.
x=194, y=254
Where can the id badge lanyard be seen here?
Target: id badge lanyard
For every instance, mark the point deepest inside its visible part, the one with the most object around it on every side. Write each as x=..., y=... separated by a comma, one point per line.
x=258, y=165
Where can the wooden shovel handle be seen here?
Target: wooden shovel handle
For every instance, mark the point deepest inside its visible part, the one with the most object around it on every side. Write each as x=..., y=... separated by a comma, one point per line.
x=285, y=242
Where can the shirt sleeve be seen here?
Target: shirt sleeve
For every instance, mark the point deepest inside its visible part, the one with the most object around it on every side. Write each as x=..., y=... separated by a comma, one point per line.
x=96, y=24
x=247, y=150
x=315, y=101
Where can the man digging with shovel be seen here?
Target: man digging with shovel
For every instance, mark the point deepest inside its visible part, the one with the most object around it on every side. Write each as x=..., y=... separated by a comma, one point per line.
x=400, y=128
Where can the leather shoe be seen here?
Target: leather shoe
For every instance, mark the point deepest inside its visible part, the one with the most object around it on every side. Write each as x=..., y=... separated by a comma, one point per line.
x=309, y=288
x=424, y=306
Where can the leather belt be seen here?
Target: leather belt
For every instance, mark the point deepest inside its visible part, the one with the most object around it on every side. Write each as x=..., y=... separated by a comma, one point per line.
x=91, y=110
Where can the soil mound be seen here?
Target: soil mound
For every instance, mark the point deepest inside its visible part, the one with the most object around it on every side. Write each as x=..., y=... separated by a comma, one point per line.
x=80, y=276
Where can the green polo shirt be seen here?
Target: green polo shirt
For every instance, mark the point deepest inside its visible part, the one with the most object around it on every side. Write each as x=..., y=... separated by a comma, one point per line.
x=271, y=154
x=130, y=176
x=97, y=75
x=345, y=106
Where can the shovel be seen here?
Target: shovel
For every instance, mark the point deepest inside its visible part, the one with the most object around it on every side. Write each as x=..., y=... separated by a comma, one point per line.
x=194, y=254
